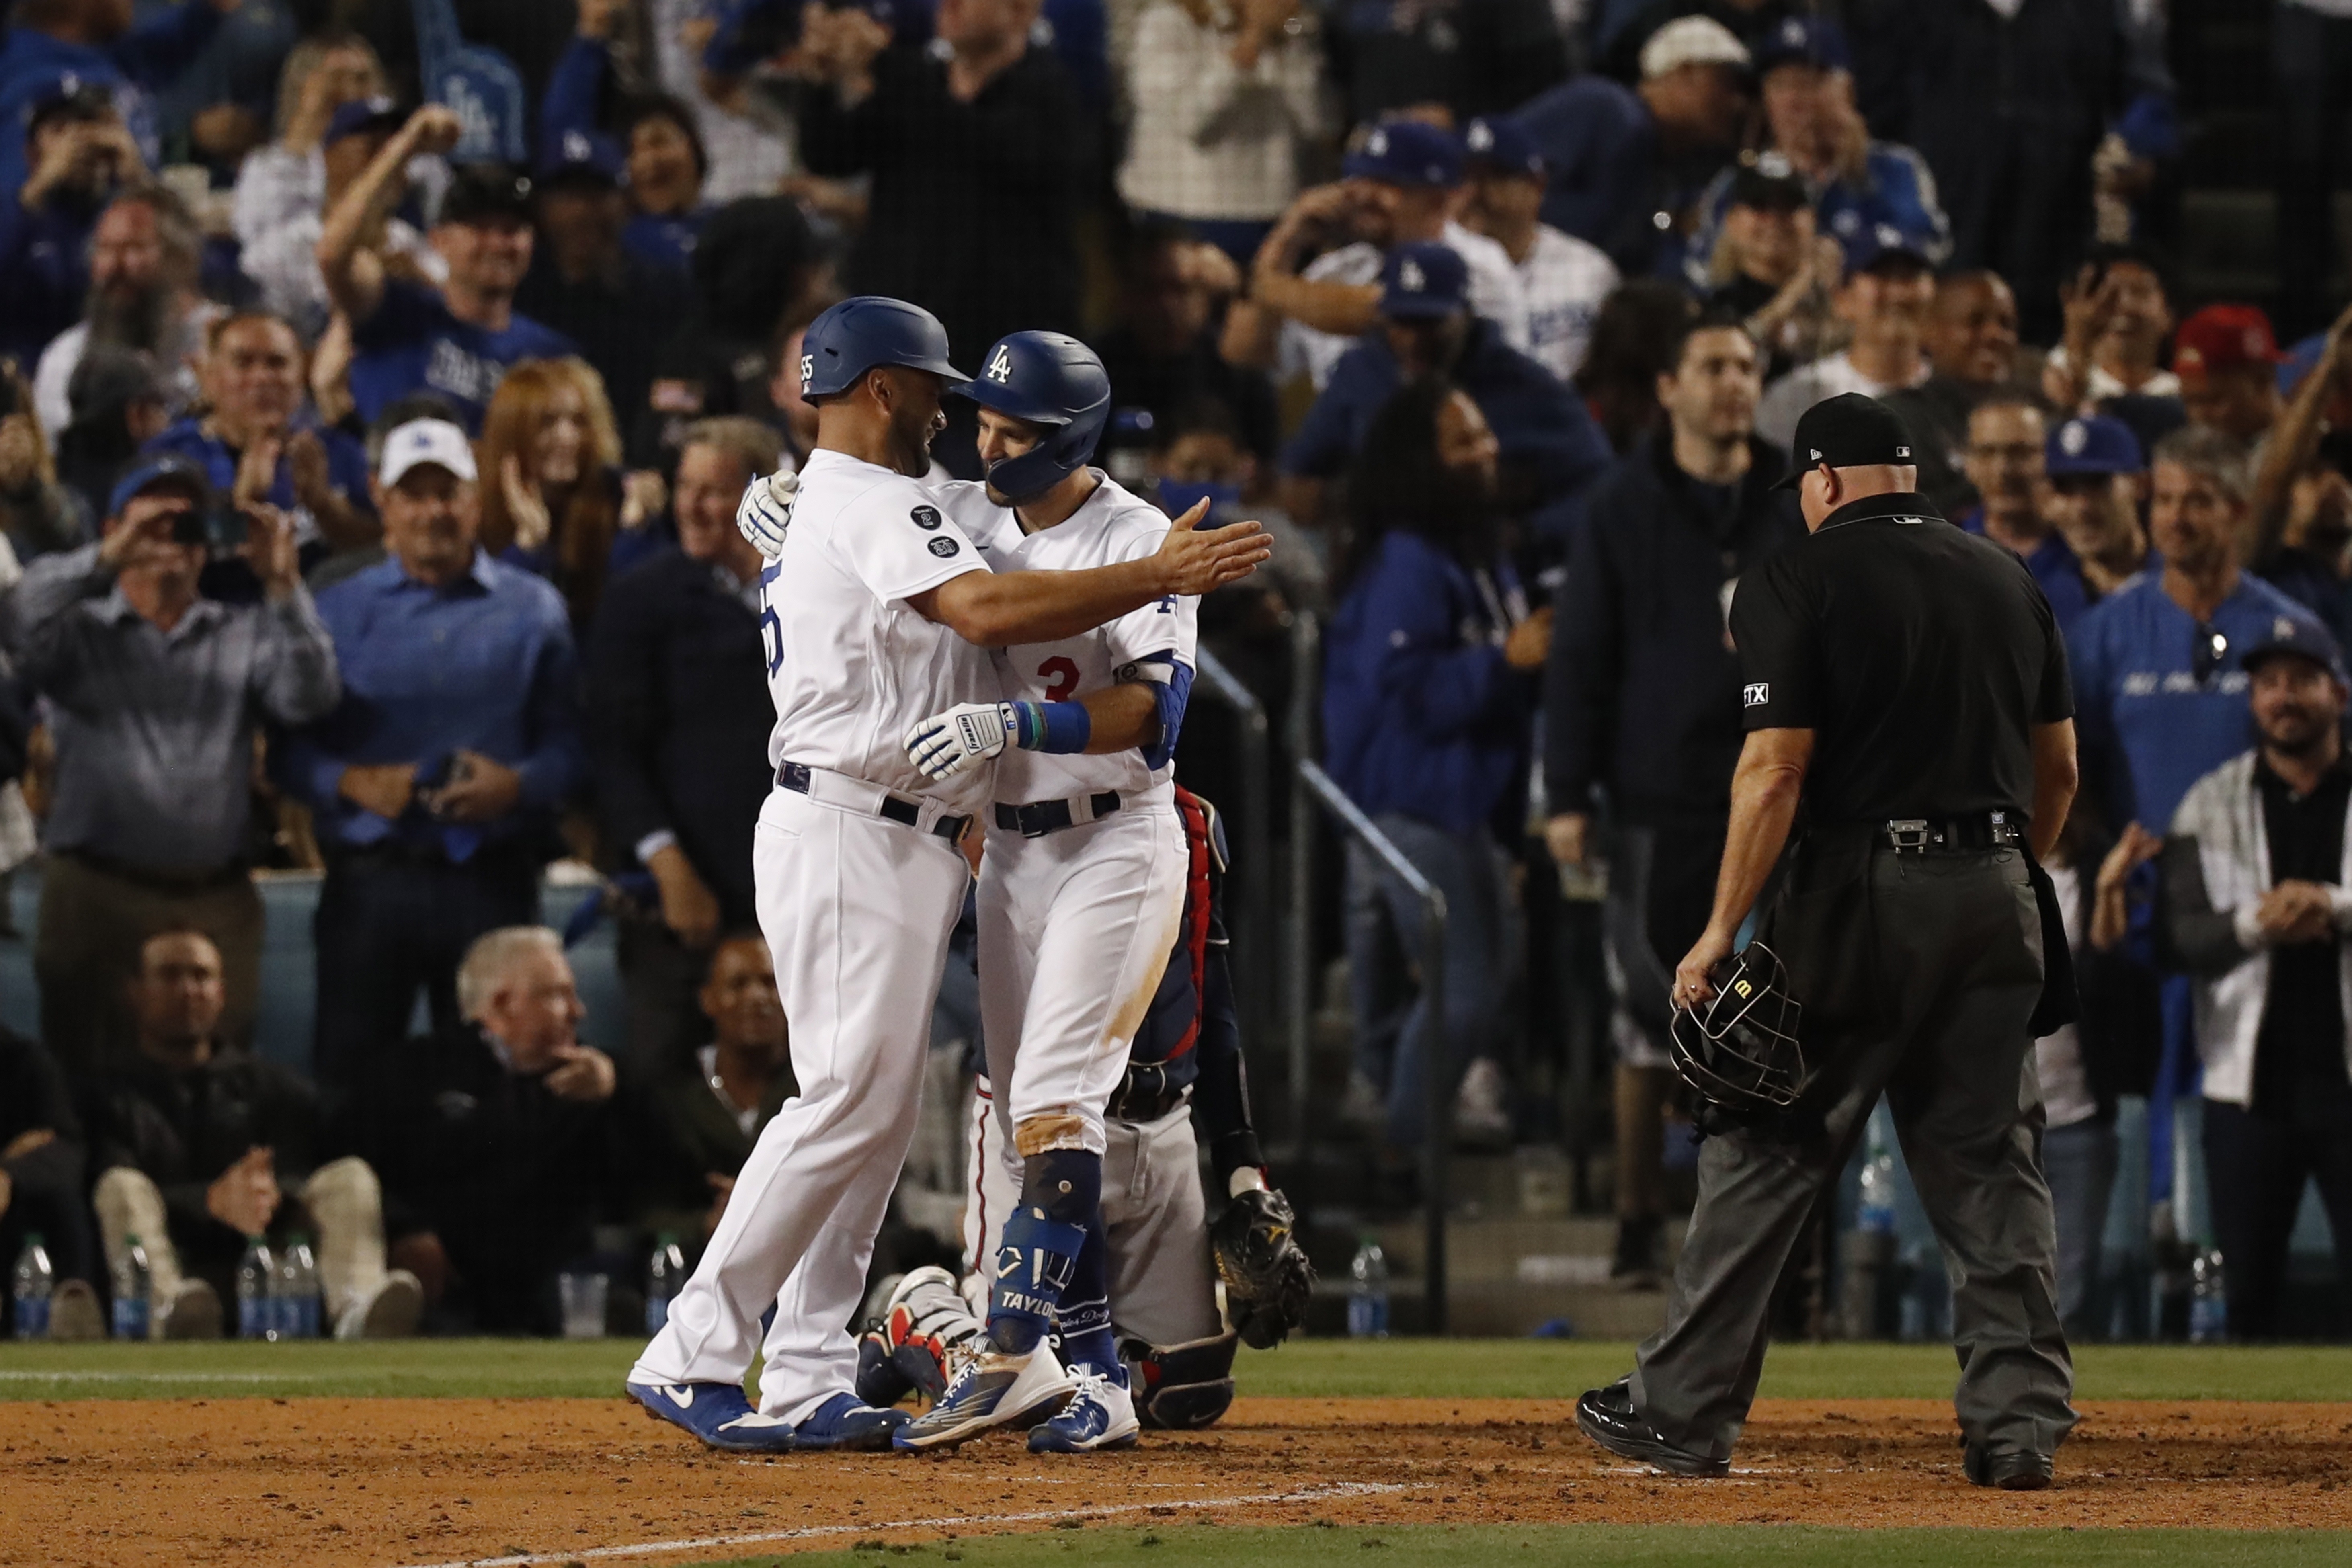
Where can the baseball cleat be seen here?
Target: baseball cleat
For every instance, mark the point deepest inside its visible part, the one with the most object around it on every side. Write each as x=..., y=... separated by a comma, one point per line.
x=927, y=1328
x=994, y=1388
x=1607, y=1417
x=879, y=1382
x=718, y=1414
x=842, y=1422
x=1100, y=1414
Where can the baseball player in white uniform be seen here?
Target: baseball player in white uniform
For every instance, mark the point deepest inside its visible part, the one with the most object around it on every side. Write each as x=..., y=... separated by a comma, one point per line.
x=877, y=611
x=1565, y=279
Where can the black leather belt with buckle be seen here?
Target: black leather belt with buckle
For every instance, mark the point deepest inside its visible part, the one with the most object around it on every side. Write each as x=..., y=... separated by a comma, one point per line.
x=1040, y=817
x=1954, y=835
x=1144, y=1094
x=794, y=776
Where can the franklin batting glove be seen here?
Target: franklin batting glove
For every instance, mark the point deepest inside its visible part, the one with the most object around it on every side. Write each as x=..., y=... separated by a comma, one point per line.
x=765, y=513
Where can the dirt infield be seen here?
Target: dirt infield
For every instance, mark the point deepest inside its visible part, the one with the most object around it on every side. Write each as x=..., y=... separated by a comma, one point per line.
x=384, y=1482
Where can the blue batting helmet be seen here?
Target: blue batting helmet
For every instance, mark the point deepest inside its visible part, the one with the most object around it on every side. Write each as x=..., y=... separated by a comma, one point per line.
x=861, y=333
x=1050, y=379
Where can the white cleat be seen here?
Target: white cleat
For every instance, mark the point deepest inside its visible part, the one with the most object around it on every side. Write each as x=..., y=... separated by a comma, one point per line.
x=992, y=1389
x=1100, y=1414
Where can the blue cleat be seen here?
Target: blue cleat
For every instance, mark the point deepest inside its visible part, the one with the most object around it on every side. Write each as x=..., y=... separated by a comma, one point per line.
x=718, y=1414
x=842, y=1423
x=993, y=1388
x=1100, y=1414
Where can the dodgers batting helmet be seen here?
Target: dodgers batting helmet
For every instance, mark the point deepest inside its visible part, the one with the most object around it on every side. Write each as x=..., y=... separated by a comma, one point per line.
x=1741, y=1051
x=857, y=334
x=1049, y=379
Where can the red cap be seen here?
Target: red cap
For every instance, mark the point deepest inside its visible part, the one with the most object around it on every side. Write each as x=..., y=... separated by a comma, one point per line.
x=2221, y=336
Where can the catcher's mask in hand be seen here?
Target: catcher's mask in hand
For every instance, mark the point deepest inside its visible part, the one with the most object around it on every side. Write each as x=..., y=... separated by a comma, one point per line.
x=1739, y=1050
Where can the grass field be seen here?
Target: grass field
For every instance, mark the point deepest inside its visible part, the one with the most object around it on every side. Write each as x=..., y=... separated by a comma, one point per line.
x=1392, y=1368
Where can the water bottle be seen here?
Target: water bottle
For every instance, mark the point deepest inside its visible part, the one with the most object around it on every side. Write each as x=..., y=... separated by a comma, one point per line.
x=2208, y=1300
x=664, y=1275
x=298, y=1291
x=134, y=1284
x=1876, y=1216
x=35, y=1281
x=1368, y=1292
x=255, y=1315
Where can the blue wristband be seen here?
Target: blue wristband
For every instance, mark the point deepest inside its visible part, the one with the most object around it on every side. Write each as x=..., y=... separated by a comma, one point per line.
x=1060, y=726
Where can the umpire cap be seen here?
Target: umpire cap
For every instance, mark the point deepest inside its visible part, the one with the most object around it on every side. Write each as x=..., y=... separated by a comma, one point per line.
x=1848, y=431
x=1049, y=379
x=867, y=329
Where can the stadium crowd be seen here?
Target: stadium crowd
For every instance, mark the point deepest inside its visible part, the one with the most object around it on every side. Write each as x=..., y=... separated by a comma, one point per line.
x=373, y=410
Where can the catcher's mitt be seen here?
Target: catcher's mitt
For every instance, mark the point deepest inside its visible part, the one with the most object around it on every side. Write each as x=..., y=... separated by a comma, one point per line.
x=1267, y=1279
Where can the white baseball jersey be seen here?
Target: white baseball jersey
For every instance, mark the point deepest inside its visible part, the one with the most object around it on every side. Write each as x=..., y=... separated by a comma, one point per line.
x=851, y=667
x=1496, y=293
x=1565, y=279
x=1112, y=525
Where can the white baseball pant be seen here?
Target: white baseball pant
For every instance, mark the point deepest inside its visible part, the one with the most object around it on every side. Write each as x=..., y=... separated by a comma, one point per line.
x=857, y=909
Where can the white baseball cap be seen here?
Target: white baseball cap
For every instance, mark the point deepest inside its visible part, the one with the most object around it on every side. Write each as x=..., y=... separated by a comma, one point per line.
x=1691, y=41
x=422, y=441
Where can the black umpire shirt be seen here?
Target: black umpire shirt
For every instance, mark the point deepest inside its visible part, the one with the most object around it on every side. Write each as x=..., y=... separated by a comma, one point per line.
x=1920, y=657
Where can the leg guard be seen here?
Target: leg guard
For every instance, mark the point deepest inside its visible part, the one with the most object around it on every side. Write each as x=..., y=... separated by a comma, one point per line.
x=1180, y=1387
x=1034, y=1262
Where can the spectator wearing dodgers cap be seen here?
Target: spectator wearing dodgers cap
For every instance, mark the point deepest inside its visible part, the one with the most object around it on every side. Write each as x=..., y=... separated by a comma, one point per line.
x=1626, y=165
x=2098, y=477
x=1400, y=186
x=1565, y=279
x=2228, y=361
x=435, y=783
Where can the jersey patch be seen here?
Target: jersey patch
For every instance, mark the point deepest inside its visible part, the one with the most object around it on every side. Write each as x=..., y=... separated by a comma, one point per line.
x=944, y=548
x=1755, y=694
x=926, y=517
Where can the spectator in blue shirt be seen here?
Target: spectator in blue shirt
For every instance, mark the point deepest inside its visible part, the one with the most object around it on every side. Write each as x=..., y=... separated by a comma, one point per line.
x=1550, y=449
x=1430, y=679
x=435, y=784
x=78, y=154
x=261, y=441
x=2097, y=482
x=1622, y=158
x=457, y=340
x=96, y=45
x=666, y=161
x=2005, y=462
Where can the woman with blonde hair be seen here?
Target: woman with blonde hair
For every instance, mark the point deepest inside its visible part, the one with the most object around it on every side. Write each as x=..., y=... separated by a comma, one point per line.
x=553, y=497
x=288, y=178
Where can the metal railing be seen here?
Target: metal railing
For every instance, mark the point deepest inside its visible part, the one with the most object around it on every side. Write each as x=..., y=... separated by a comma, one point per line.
x=1251, y=877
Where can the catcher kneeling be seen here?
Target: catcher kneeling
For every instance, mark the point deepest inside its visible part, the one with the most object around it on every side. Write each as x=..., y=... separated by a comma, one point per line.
x=1184, y=1088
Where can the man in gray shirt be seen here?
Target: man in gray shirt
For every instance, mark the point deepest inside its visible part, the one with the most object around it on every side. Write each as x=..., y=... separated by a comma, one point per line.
x=153, y=695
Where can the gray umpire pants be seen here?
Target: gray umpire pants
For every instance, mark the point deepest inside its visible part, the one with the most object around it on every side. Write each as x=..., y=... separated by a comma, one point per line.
x=1918, y=974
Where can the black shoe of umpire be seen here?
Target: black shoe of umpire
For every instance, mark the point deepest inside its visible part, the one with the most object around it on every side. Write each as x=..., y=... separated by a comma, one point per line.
x=2011, y=1470
x=1607, y=1417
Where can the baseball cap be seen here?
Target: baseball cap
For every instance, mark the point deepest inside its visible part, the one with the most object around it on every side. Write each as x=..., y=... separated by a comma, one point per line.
x=67, y=96
x=2220, y=337
x=1691, y=41
x=423, y=441
x=1883, y=245
x=482, y=192
x=2305, y=639
x=1807, y=40
x=1499, y=142
x=1771, y=183
x=156, y=473
x=2094, y=444
x=1406, y=153
x=1848, y=431
x=361, y=115
x=1423, y=281
x=589, y=156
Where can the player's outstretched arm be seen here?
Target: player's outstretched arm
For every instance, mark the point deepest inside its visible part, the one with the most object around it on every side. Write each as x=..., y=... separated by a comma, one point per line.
x=998, y=609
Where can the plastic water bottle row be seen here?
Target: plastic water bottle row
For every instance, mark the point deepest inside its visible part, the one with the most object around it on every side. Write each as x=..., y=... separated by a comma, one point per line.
x=276, y=1296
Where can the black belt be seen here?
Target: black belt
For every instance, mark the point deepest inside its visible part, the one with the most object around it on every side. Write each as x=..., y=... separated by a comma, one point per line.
x=1040, y=817
x=1953, y=836
x=794, y=776
x=1145, y=1094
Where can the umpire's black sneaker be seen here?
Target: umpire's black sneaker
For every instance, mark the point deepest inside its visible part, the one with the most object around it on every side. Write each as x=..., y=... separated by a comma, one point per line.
x=2011, y=1469
x=1607, y=1417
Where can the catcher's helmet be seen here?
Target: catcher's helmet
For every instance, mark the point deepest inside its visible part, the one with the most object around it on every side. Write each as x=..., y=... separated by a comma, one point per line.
x=1740, y=1052
x=853, y=337
x=1049, y=379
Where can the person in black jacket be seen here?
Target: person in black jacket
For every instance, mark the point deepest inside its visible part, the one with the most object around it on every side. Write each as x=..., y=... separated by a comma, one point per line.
x=499, y=1139
x=979, y=163
x=41, y=1191
x=1642, y=710
x=678, y=735
x=711, y=1108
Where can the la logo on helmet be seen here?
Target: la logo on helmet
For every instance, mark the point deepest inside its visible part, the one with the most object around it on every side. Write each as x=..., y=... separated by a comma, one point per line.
x=1000, y=369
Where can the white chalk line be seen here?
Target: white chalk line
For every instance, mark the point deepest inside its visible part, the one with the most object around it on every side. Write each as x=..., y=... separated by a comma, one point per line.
x=815, y=1531
x=15, y=1376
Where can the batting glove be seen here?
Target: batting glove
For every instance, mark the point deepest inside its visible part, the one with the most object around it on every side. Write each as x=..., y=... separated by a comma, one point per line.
x=765, y=513
x=960, y=739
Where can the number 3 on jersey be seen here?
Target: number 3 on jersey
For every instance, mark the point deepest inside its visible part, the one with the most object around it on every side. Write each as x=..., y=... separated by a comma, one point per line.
x=771, y=630
x=1060, y=675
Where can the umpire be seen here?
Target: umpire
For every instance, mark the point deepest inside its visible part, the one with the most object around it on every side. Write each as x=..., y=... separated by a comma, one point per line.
x=1906, y=698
